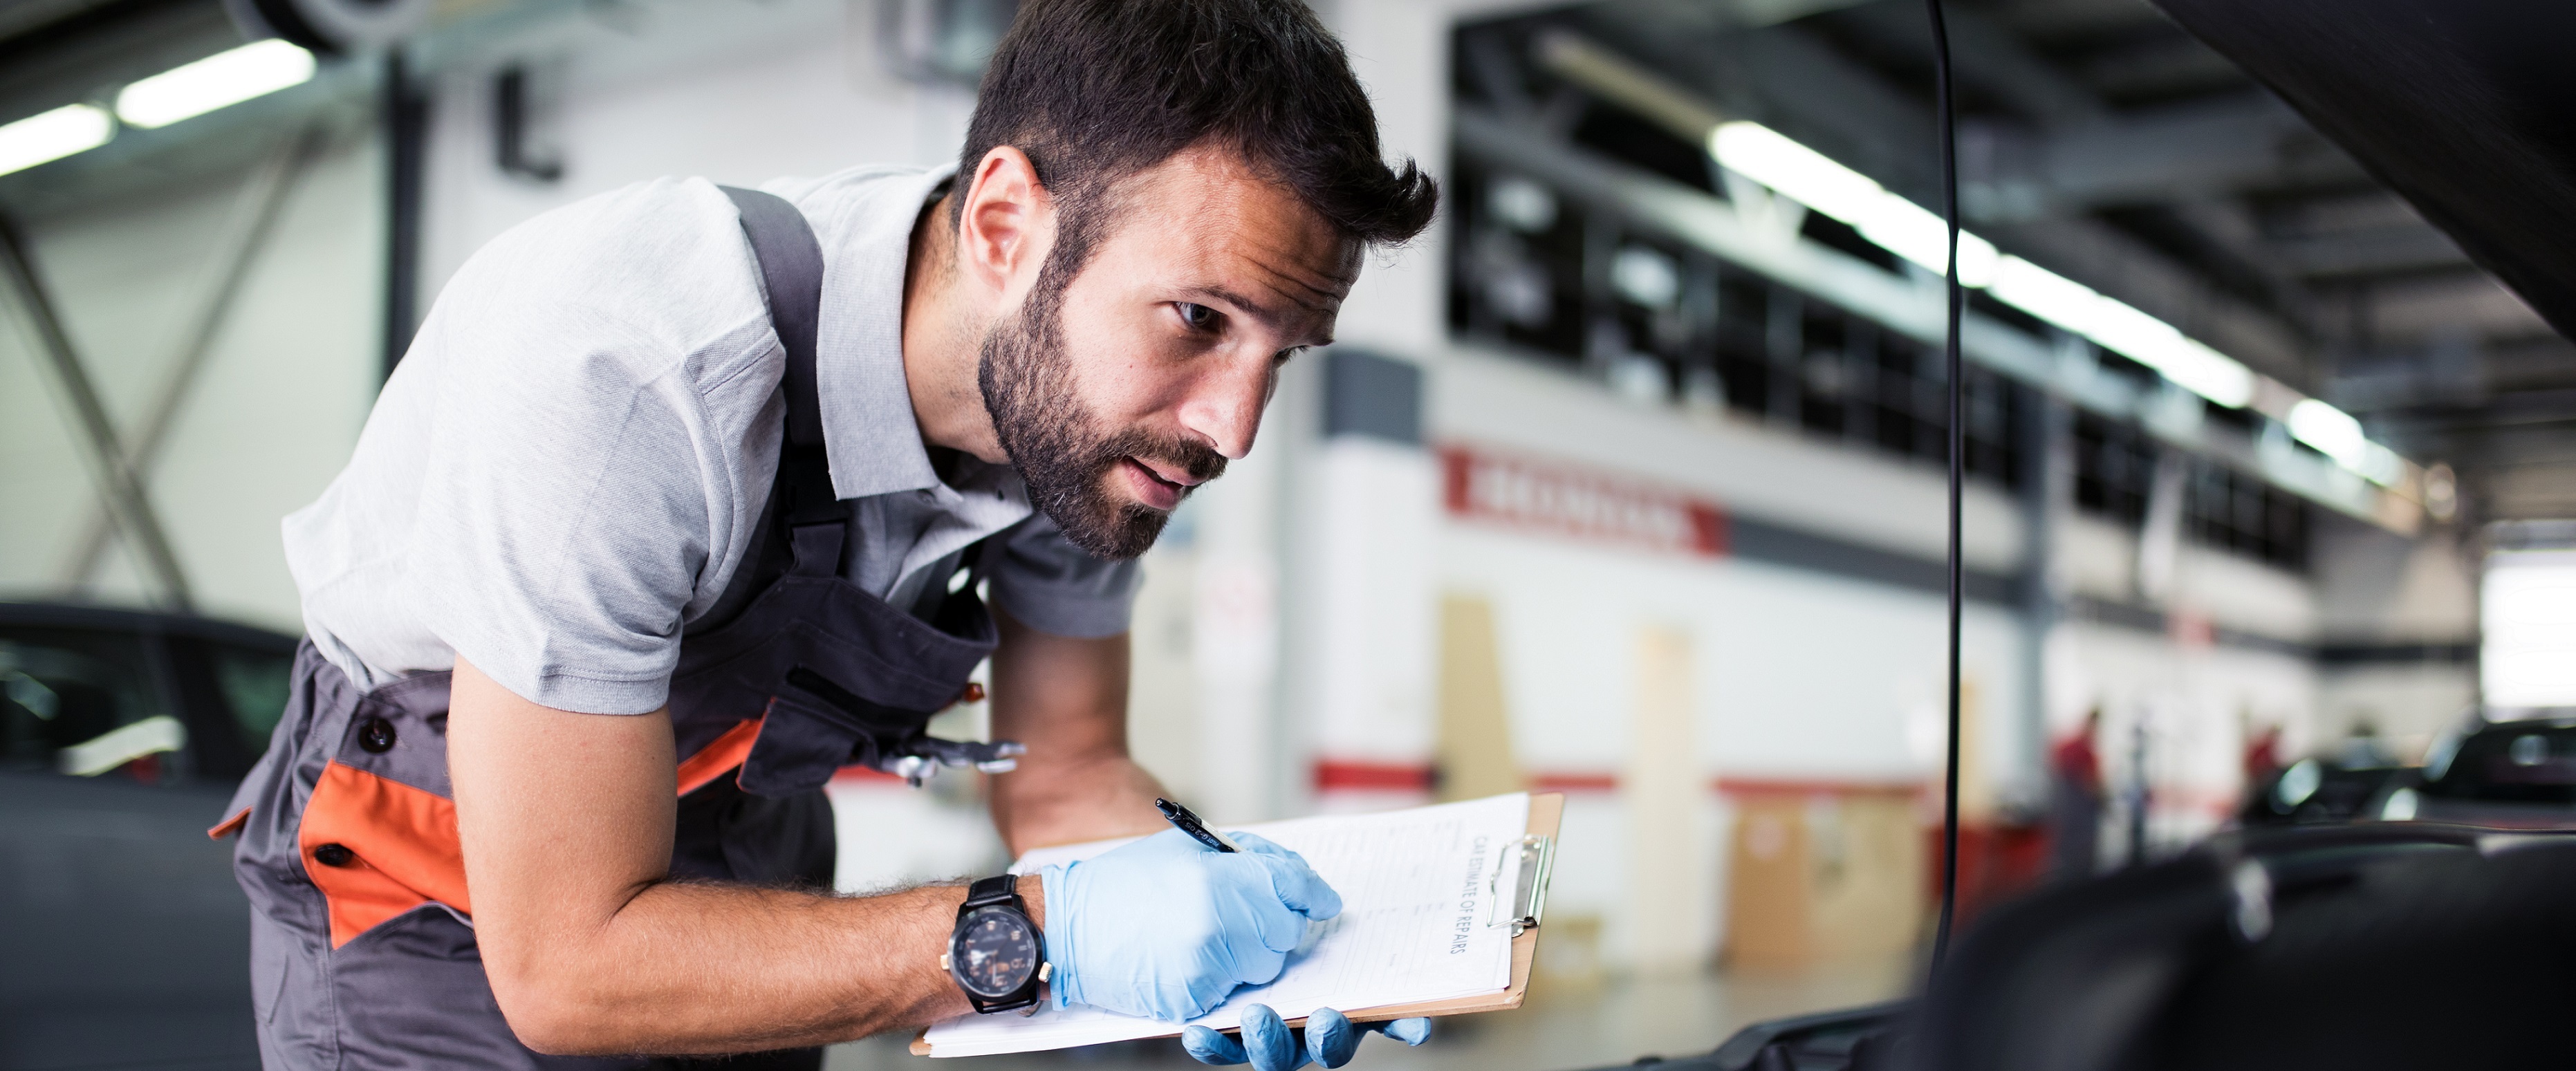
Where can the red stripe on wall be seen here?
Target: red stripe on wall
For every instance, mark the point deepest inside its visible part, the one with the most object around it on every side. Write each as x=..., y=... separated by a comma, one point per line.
x=1333, y=774
x=1578, y=502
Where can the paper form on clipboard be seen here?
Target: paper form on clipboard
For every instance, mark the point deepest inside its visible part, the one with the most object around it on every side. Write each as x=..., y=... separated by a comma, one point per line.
x=1419, y=924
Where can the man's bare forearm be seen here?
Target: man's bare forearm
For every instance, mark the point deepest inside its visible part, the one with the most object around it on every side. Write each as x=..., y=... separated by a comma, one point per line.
x=1070, y=802
x=687, y=968
x=566, y=820
x=1066, y=698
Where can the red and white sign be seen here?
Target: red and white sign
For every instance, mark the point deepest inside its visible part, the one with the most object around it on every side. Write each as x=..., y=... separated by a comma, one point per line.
x=1567, y=501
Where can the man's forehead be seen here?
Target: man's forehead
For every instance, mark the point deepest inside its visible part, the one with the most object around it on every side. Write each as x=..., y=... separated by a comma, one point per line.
x=1239, y=225
x=1292, y=276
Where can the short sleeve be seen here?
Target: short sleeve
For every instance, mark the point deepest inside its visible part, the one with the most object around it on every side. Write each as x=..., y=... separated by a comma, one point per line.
x=1055, y=587
x=572, y=490
x=557, y=573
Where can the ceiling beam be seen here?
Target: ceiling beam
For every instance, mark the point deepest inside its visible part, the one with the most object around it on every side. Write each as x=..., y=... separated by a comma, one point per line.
x=1986, y=56
x=2412, y=247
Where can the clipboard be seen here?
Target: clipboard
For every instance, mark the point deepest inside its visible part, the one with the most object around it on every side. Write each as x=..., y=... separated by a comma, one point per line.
x=1524, y=871
x=1528, y=871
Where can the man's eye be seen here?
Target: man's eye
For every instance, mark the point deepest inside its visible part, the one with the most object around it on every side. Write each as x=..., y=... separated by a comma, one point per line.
x=1196, y=317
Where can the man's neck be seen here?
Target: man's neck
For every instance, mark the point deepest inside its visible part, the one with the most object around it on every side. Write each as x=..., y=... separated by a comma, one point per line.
x=943, y=342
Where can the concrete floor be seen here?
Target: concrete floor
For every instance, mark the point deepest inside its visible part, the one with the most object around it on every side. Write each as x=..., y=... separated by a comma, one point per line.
x=1562, y=1028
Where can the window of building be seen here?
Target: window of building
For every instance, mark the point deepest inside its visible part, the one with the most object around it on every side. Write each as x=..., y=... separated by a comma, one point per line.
x=2115, y=476
x=1541, y=274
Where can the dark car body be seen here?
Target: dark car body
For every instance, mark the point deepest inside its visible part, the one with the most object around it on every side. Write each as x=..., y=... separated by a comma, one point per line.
x=2503, y=774
x=124, y=939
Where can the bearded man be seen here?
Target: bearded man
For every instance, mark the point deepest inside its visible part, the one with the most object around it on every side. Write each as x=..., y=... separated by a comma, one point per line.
x=687, y=496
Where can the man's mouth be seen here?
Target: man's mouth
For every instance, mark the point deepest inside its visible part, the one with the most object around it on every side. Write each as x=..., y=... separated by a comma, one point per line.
x=1159, y=486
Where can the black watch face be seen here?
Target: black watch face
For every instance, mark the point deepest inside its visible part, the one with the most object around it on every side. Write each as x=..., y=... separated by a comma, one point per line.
x=994, y=952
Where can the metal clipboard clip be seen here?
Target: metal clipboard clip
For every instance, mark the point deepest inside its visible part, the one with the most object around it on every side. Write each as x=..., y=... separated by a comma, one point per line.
x=1526, y=866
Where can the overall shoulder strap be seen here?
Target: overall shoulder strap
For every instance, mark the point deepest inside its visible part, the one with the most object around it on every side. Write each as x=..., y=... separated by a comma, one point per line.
x=791, y=269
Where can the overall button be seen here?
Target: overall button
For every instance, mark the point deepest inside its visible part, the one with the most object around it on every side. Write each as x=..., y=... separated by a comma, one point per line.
x=376, y=736
x=333, y=855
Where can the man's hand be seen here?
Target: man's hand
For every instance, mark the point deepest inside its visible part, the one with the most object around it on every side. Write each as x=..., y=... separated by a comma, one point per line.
x=1166, y=928
x=1065, y=698
x=1328, y=1038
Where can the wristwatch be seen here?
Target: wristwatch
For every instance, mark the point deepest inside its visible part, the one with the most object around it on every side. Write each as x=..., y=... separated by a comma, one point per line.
x=996, y=954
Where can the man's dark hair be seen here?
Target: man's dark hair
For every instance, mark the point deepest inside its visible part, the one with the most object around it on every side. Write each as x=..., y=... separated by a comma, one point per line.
x=1094, y=91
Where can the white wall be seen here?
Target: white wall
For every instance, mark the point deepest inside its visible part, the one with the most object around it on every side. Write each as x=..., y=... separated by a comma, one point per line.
x=1817, y=485
x=2100, y=560
x=2406, y=705
x=276, y=407
x=2375, y=588
x=1796, y=675
x=736, y=92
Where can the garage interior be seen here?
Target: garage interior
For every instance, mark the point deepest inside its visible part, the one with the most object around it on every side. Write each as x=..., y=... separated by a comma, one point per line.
x=1625, y=481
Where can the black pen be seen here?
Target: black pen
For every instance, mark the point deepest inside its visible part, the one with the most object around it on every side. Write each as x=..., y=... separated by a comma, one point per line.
x=1187, y=822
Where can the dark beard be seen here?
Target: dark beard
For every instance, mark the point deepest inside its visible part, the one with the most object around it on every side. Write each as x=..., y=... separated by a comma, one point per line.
x=1057, y=443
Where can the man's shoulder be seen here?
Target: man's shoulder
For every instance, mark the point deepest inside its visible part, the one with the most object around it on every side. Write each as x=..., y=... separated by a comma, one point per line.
x=860, y=187
x=650, y=277
x=669, y=253
x=661, y=234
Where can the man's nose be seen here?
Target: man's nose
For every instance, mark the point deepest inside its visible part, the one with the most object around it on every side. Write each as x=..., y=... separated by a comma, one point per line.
x=1225, y=406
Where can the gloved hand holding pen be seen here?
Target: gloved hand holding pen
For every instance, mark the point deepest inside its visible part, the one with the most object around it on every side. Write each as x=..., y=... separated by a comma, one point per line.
x=1165, y=927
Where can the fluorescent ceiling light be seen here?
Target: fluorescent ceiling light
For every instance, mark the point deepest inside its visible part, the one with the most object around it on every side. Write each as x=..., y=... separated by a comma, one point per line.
x=2122, y=329
x=48, y=136
x=2156, y=344
x=1819, y=182
x=2382, y=466
x=2208, y=373
x=2332, y=431
x=2045, y=294
x=1797, y=172
x=1922, y=236
x=217, y=81
x=1919, y=235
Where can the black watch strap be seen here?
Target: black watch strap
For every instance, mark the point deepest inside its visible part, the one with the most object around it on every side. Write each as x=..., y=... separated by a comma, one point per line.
x=998, y=889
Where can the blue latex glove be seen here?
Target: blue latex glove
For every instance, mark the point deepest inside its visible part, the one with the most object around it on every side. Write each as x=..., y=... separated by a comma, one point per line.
x=1329, y=1038
x=1165, y=927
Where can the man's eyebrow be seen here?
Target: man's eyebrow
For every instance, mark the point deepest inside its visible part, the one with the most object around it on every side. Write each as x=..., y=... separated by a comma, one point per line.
x=1269, y=316
x=1259, y=310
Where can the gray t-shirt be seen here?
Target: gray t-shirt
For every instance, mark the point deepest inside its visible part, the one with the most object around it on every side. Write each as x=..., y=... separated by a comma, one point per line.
x=570, y=463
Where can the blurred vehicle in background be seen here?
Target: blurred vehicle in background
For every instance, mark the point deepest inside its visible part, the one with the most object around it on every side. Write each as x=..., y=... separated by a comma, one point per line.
x=122, y=734
x=2511, y=770
x=2348, y=783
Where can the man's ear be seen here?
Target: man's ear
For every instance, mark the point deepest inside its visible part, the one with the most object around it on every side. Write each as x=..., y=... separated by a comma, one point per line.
x=1005, y=223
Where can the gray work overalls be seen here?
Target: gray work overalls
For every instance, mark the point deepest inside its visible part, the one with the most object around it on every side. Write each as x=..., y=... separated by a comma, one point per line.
x=362, y=940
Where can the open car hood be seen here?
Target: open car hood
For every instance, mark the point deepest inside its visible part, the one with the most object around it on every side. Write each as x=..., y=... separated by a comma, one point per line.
x=2467, y=108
